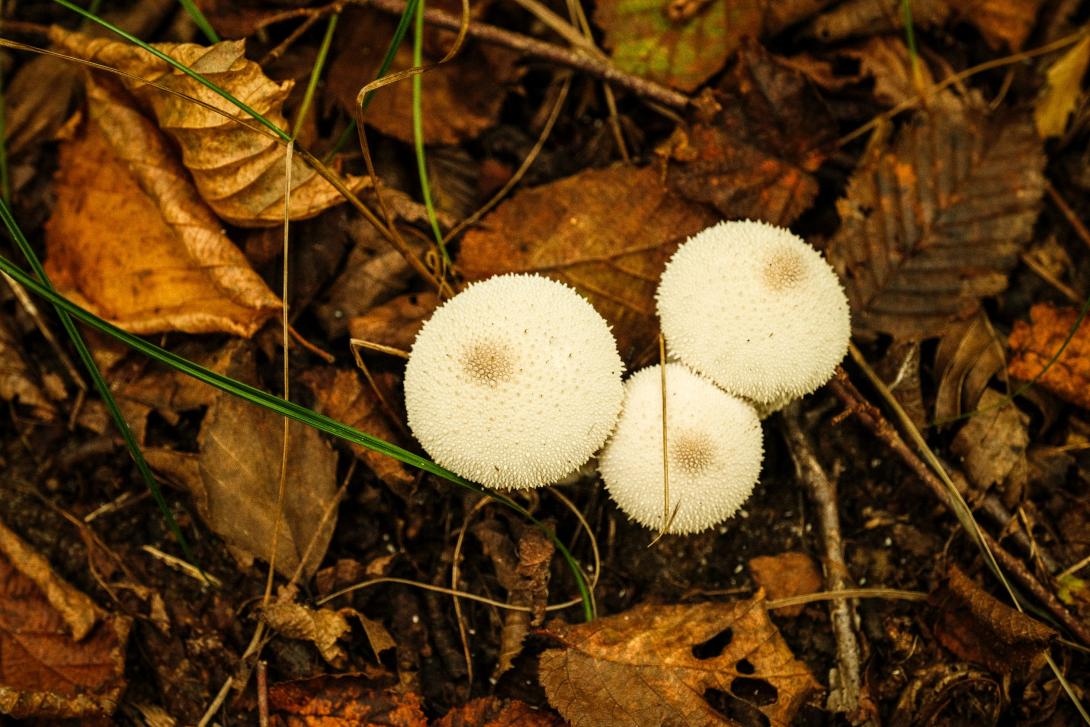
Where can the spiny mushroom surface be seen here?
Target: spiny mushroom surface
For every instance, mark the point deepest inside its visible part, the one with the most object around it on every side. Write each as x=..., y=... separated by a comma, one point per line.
x=514, y=382
x=715, y=450
x=755, y=309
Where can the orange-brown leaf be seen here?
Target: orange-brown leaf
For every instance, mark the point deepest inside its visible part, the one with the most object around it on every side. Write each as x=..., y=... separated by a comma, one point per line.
x=655, y=664
x=495, y=712
x=59, y=656
x=1033, y=344
x=238, y=171
x=606, y=232
x=130, y=239
x=788, y=574
x=935, y=222
x=343, y=701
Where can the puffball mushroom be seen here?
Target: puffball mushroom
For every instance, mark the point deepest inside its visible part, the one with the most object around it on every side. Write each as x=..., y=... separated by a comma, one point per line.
x=514, y=382
x=715, y=450
x=755, y=309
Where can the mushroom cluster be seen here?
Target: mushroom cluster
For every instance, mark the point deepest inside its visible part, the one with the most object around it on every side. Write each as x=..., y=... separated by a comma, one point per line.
x=516, y=381
x=763, y=317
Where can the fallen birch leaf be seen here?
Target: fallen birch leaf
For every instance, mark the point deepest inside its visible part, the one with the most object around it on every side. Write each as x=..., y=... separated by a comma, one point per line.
x=1033, y=344
x=660, y=665
x=605, y=232
x=344, y=701
x=238, y=171
x=1062, y=91
x=969, y=355
x=59, y=655
x=993, y=445
x=130, y=240
x=935, y=222
x=346, y=397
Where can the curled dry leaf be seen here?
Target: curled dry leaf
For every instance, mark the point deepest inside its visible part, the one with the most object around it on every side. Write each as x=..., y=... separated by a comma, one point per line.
x=993, y=446
x=59, y=655
x=396, y=322
x=17, y=379
x=343, y=701
x=935, y=222
x=977, y=627
x=659, y=664
x=752, y=151
x=131, y=240
x=344, y=396
x=1035, y=343
x=323, y=627
x=969, y=355
x=1063, y=89
x=495, y=712
x=606, y=232
x=238, y=170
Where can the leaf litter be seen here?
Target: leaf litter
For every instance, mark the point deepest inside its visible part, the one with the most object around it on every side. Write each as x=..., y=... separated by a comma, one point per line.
x=935, y=212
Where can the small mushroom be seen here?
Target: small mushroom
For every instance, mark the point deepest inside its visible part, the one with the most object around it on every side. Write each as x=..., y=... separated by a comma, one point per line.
x=715, y=450
x=755, y=309
x=514, y=382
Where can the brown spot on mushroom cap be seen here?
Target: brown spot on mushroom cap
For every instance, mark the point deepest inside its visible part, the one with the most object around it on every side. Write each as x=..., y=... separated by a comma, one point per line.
x=783, y=269
x=693, y=452
x=488, y=362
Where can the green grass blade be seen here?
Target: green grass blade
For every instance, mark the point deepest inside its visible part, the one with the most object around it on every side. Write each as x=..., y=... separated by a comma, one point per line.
x=201, y=22
x=175, y=64
x=274, y=403
x=316, y=72
x=99, y=382
x=387, y=60
x=418, y=133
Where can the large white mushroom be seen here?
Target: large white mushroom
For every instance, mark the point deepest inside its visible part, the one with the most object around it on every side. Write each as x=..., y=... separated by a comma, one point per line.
x=514, y=382
x=755, y=309
x=715, y=450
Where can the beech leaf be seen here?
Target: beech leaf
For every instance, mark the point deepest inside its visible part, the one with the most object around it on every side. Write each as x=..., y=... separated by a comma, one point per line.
x=238, y=171
x=935, y=222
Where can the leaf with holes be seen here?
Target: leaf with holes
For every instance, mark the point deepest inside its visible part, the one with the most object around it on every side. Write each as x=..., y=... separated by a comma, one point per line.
x=934, y=223
x=706, y=664
x=606, y=232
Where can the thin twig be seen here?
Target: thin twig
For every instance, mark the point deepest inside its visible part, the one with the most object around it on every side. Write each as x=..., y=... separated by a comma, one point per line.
x=262, y=694
x=551, y=52
x=847, y=693
x=214, y=707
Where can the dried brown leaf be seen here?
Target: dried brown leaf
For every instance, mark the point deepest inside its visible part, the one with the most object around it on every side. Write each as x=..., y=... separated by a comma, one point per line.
x=461, y=98
x=396, y=322
x=752, y=151
x=606, y=232
x=239, y=477
x=1063, y=89
x=655, y=664
x=323, y=627
x=1004, y=25
x=344, y=396
x=59, y=655
x=238, y=171
x=17, y=380
x=993, y=444
x=935, y=222
x=977, y=627
x=969, y=355
x=343, y=701
x=1033, y=344
x=130, y=240
x=787, y=574
x=495, y=712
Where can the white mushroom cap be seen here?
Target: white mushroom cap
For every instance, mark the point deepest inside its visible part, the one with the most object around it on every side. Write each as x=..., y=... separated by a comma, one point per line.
x=514, y=382
x=755, y=309
x=715, y=450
